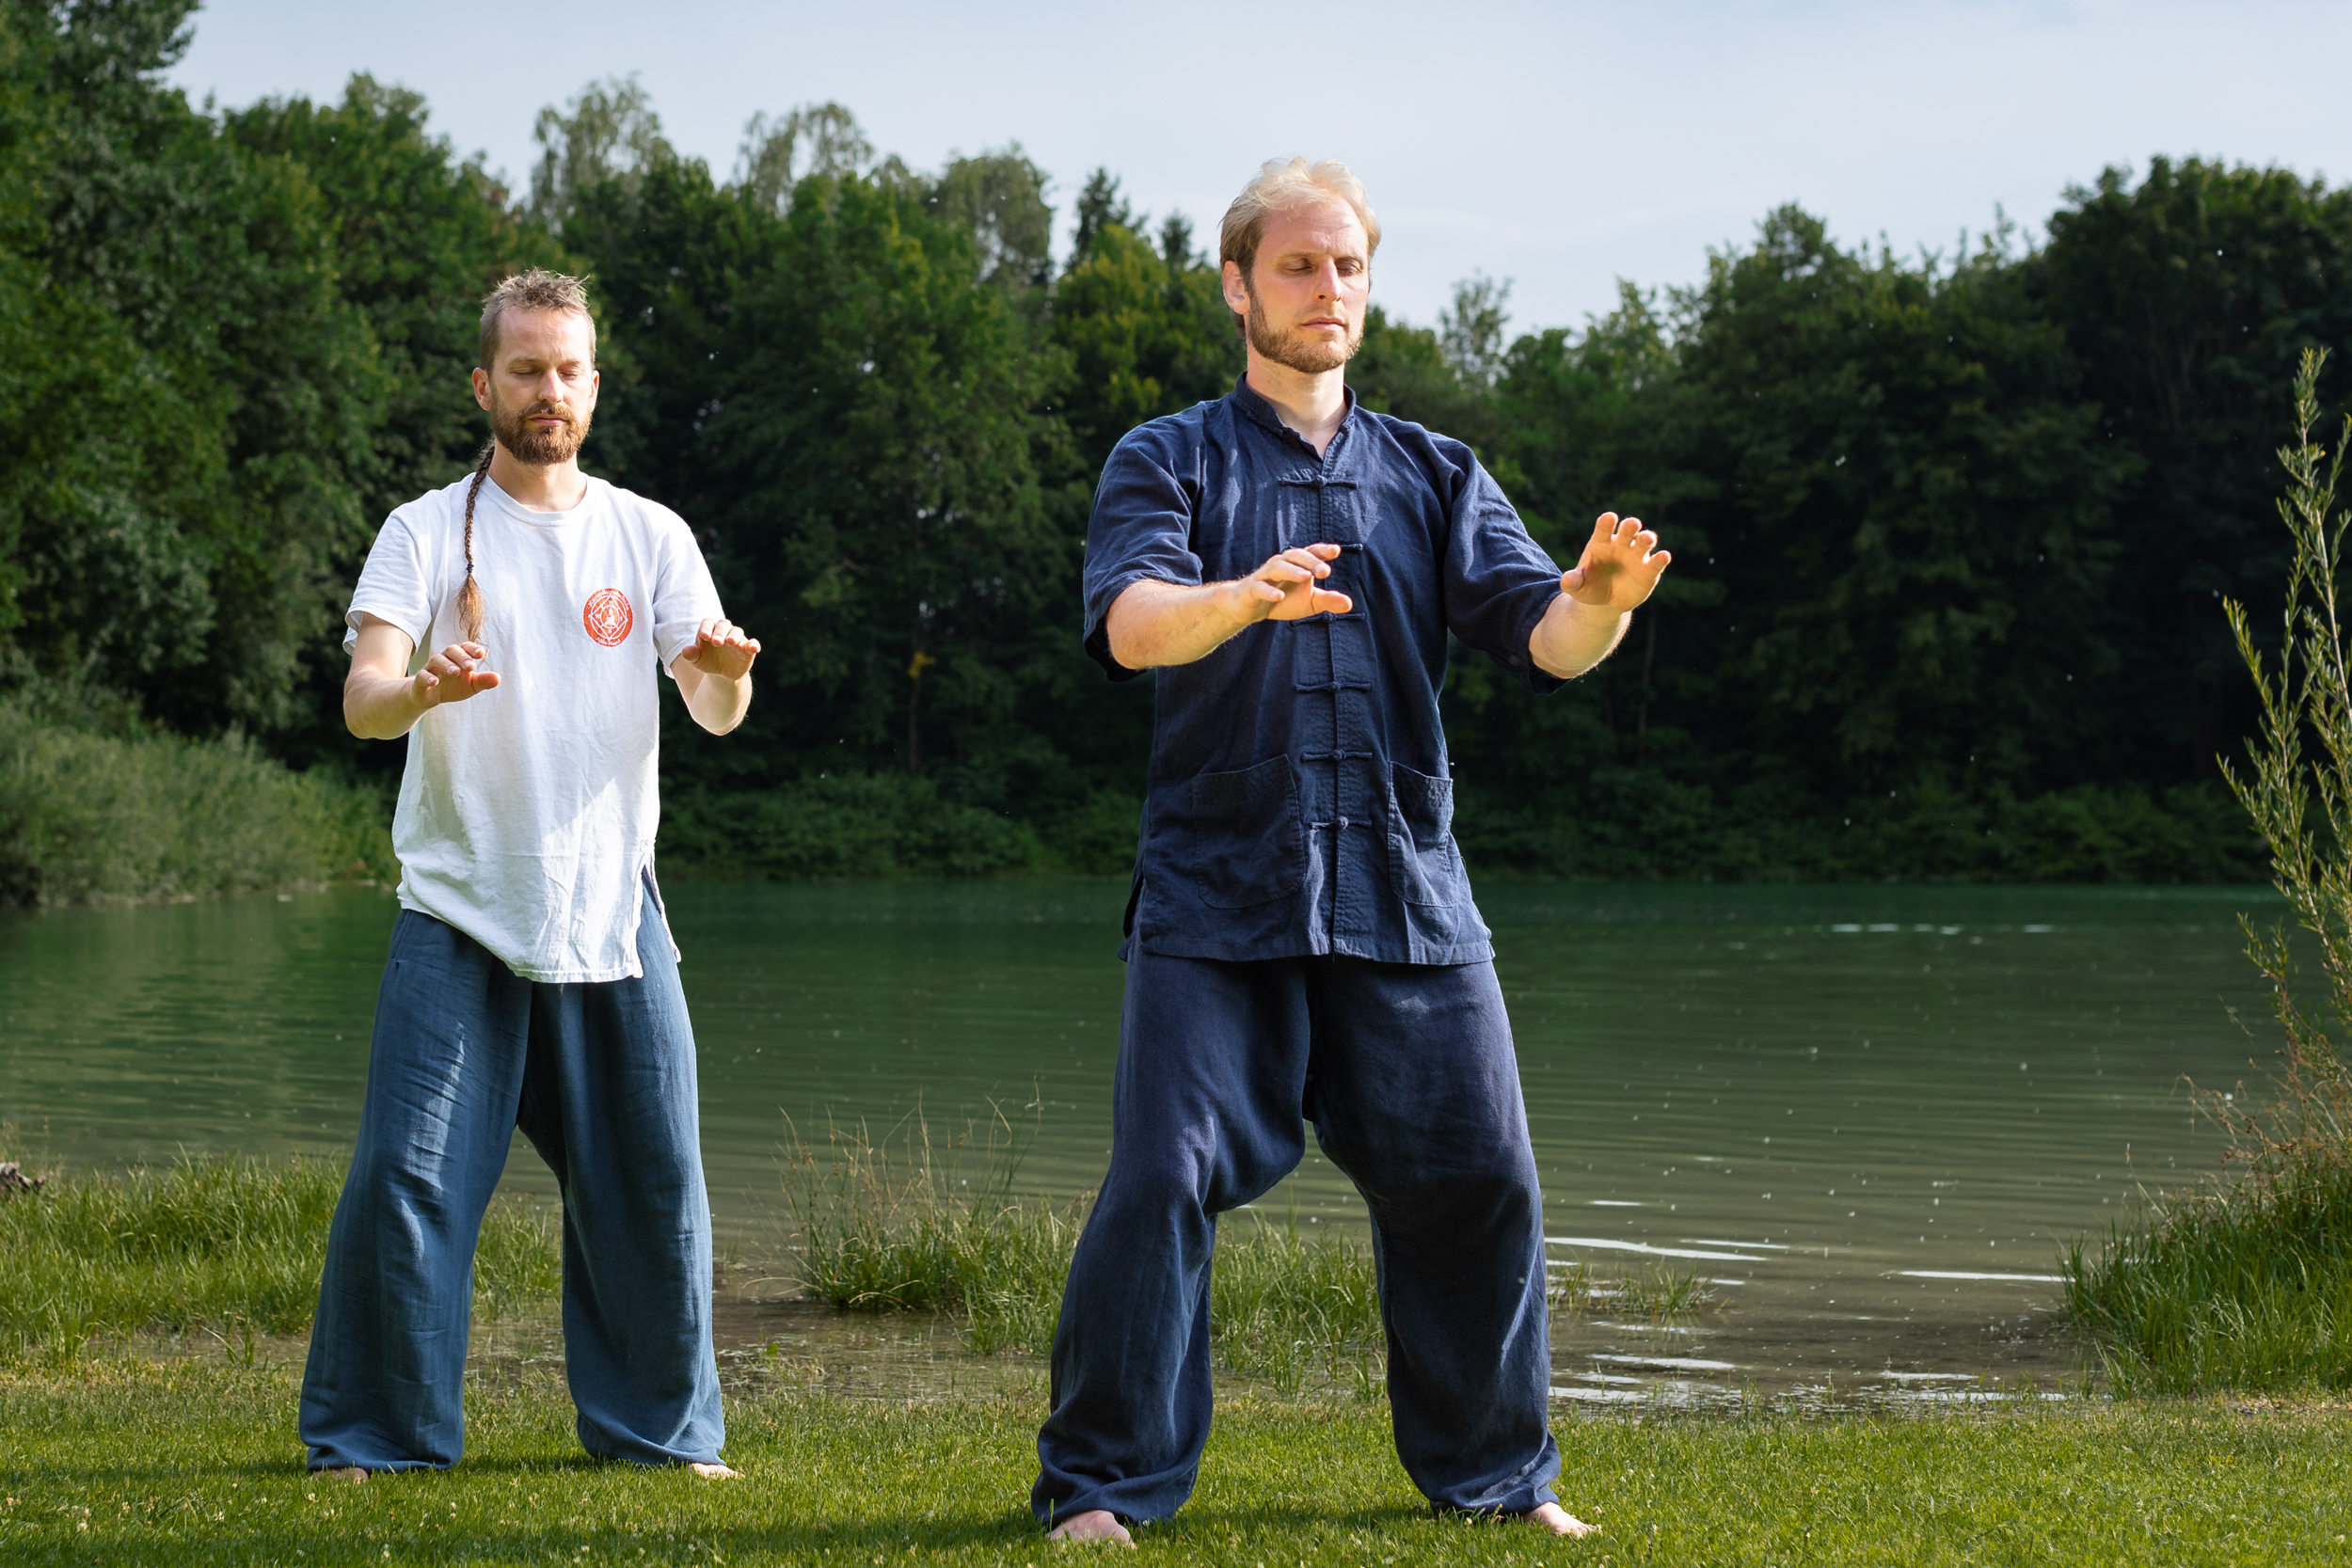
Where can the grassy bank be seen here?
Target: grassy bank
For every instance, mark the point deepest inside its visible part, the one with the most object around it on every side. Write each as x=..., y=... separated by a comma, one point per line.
x=906, y=1223
x=197, y=1463
x=87, y=815
x=874, y=826
x=226, y=1248
x=2248, y=1286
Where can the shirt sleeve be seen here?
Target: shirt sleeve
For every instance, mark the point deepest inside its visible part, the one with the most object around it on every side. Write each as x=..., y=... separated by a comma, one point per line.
x=395, y=584
x=1499, y=582
x=683, y=595
x=1141, y=528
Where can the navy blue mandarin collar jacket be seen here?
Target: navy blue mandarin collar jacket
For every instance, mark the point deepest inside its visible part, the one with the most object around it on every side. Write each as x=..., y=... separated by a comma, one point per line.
x=1299, y=799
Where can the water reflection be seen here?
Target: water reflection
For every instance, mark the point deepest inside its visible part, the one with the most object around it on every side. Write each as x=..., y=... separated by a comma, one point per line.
x=1868, y=1116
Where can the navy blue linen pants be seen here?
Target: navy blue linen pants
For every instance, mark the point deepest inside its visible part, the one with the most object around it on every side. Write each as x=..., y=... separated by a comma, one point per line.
x=1407, y=1073
x=600, y=1078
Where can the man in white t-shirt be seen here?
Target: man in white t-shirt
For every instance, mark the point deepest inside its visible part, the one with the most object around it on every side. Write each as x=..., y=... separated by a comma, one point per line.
x=532, y=981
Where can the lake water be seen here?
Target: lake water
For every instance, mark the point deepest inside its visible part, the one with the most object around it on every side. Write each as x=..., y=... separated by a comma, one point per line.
x=1871, y=1115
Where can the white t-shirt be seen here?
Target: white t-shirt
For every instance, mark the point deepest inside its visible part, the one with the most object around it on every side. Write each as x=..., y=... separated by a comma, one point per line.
x=527, y=812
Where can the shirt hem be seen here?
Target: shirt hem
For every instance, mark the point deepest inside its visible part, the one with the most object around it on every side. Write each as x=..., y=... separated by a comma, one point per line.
x=534, y=974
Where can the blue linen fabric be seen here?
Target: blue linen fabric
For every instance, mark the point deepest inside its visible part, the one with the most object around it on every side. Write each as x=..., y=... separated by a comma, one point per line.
x=1299, y=799
x=1408, y=1076
x=601, y=1079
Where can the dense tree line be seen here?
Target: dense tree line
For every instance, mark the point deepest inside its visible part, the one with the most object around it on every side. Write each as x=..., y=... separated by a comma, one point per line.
x=1951, y=532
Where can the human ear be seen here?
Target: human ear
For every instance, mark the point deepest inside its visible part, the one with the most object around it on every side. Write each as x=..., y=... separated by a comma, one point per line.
x=1236, y=289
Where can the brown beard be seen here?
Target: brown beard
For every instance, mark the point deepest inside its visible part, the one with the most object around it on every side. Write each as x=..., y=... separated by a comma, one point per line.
x=525, y=443
x=1289, y=349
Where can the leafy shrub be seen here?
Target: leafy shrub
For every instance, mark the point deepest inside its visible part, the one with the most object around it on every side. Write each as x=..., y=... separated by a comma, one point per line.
x=87, y=816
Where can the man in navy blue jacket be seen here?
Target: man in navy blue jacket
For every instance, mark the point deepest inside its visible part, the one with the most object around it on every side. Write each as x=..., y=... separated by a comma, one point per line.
x=1301, y=943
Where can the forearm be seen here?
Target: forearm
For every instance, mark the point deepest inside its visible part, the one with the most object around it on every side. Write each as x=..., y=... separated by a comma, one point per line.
x=1574, y=636
x=377, y=707
x=1152, y=623
x=718, y=703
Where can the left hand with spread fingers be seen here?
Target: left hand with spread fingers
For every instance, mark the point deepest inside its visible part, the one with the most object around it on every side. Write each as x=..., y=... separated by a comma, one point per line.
x=1620, y=566
x=720, y=648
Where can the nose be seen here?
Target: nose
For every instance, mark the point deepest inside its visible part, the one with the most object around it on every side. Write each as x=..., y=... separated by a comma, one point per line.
x=550, y=387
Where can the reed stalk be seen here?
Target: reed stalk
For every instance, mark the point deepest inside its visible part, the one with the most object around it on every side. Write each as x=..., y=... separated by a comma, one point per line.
x=2243, y=1280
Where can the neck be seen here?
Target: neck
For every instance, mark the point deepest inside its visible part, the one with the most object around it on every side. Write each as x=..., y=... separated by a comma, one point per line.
x=1311, y=403
x=550, y=487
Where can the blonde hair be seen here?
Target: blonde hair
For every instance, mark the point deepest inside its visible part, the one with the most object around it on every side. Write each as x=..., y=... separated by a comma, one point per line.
x=534, y=290
x=1280, y=184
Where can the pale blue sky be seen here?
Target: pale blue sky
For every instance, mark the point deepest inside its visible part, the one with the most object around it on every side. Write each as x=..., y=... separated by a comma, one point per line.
x=1560, y=146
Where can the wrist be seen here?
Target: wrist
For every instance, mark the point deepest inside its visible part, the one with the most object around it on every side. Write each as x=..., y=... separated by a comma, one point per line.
x=1587, y=609
x=1241, y=606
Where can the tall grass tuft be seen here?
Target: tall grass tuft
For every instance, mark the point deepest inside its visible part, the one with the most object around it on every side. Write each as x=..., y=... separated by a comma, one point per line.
x=223, y=1245
x=883, y=1228
x=905, y=1223
x=2245, y=1281
x=1654, y=1292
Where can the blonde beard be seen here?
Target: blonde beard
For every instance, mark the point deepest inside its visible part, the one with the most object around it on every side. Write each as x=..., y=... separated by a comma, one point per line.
x=537, y=448
x=1289, y=350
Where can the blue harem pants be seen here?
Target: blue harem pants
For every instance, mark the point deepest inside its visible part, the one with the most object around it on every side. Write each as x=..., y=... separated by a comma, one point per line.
x=600, y=1078
x=1407, y=1073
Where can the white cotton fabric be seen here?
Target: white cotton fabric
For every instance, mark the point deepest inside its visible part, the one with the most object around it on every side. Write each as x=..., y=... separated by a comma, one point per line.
x=527, y=813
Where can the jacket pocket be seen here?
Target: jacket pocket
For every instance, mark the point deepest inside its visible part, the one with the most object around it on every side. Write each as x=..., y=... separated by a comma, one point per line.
x=1421, y=857
x=1241, y=844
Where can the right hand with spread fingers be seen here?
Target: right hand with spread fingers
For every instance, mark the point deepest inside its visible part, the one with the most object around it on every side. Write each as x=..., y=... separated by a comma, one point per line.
x=451, y=675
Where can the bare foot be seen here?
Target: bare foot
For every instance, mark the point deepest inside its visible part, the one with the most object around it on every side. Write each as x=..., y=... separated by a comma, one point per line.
x=1095, y=1523
x=716, y=1472
x=342, y=1472
x=1559, y=1520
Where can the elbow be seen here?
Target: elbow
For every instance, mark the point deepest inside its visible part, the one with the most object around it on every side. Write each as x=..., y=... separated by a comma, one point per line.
x=1566, y=672
x=1126, y=655
x=1115, y=643
x=1558, y=669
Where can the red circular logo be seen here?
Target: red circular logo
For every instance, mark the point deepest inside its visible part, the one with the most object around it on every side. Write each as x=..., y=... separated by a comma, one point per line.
x=606, y=616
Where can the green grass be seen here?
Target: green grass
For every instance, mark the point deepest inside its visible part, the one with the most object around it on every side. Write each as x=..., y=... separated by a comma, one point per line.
x=897, y=1224
x=88, y=815
x=2243, y=1285
x=1654, y=1291
x=223, y=1247
x=198, y=1463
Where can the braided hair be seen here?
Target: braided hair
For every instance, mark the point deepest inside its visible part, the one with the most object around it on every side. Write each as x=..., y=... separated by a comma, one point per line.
x=469, y=596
